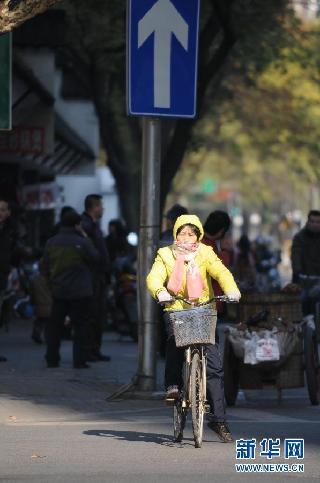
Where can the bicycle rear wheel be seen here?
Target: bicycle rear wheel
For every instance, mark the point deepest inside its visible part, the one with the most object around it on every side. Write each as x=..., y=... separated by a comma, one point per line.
x=197, y=400
x=311, y=360
x=179, y=421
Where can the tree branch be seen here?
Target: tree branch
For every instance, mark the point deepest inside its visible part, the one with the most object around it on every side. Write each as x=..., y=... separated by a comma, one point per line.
x=14, y=12
x=209, y=72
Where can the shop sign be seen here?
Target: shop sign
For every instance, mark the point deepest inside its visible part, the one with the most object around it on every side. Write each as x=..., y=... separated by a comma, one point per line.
x=23, y=140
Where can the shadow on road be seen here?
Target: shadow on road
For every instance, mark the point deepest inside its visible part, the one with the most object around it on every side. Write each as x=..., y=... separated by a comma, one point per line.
x=162, y=439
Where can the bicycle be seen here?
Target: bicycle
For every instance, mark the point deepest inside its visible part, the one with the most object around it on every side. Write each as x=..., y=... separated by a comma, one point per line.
x=193, y=329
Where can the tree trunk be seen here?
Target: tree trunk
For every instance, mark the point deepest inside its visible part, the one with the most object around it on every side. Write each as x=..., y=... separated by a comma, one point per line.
x=15, y=12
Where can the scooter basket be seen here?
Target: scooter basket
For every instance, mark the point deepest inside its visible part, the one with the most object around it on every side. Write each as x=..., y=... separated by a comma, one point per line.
x=194, y=326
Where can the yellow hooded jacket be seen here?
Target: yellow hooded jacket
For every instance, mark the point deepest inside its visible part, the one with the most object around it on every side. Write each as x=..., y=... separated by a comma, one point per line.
x=208, y=262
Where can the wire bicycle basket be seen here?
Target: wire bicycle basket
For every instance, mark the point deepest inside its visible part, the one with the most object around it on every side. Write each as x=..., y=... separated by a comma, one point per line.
x=194, y=326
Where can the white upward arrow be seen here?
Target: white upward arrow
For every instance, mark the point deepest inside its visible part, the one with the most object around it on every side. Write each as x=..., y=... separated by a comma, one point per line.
x=164, y=20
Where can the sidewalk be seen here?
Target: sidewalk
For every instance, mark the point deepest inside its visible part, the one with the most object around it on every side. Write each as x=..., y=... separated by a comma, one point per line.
x=30, y=392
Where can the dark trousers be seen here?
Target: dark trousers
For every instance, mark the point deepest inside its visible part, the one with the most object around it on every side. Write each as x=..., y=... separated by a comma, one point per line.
x=97, y=315
x=215, y=376
x=5, y=310
x=39, y=325
x=78, y=310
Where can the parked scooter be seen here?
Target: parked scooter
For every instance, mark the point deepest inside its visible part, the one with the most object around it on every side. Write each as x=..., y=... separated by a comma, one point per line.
x=15, y=301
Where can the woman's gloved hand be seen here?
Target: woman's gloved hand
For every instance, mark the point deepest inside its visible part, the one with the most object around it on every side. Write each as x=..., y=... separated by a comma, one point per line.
x=164, y=296
x=234, y=296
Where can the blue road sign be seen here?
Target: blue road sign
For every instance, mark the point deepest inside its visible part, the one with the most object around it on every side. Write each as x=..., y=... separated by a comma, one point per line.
x=162, y=43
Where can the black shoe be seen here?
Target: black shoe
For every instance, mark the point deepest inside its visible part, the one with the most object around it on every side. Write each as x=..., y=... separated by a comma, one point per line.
x=3, y=359
x=81, y=366
x=92, y=358
x=222, y=430
x=50, y=365
x=102, y=357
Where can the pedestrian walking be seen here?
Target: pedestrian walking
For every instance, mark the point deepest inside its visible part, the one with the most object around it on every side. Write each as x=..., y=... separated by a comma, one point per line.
x=185, y=269
x=90, y=223
x=67, y=264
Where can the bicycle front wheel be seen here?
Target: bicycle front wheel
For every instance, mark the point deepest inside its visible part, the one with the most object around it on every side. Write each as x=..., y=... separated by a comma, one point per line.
x=197, y=399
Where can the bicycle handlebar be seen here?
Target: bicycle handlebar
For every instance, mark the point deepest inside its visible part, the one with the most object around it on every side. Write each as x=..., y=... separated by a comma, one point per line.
x=218, y=298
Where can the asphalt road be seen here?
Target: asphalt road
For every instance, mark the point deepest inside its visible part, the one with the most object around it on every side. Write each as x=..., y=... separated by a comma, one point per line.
x=132, y=442
x=56, y=426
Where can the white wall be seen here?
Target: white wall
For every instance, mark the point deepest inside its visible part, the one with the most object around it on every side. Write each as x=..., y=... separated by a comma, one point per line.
x=76, y=187
x=80, y=115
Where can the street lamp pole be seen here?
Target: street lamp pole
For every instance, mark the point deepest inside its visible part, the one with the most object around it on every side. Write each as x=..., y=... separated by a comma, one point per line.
x=148, y=243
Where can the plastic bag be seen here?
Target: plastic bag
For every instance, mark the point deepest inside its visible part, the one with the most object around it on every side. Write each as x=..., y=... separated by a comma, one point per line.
x=250, y=349
x=267, y=349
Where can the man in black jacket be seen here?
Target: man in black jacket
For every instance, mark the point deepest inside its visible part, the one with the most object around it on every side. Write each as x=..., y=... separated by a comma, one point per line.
x=305, y=254
x=90, y=224
x=305, y=258
x=67, y=264
x=9, y=242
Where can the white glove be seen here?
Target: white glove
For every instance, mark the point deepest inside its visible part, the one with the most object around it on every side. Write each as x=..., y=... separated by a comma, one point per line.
x=234, y=296
x=164, y=296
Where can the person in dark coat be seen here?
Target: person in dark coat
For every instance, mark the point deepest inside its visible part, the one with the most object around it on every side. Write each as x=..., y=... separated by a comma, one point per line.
x=90, y=223
x=305, y=259
x=116, y=240
x=63, y=212
x=9, y=245
x=67, y=264
x=305, y=254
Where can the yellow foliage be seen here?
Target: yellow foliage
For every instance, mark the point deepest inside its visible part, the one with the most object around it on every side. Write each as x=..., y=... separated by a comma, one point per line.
x=264, y=139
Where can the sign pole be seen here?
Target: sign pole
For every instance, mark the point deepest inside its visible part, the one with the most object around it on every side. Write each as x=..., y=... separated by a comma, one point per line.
x=148, y=243
x=162, y=59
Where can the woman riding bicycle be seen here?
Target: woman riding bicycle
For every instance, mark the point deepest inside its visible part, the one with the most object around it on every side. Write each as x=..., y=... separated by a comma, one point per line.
x=184, y=269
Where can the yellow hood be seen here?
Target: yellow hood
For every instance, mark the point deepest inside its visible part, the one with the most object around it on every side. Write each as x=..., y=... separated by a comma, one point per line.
x=187, y=220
